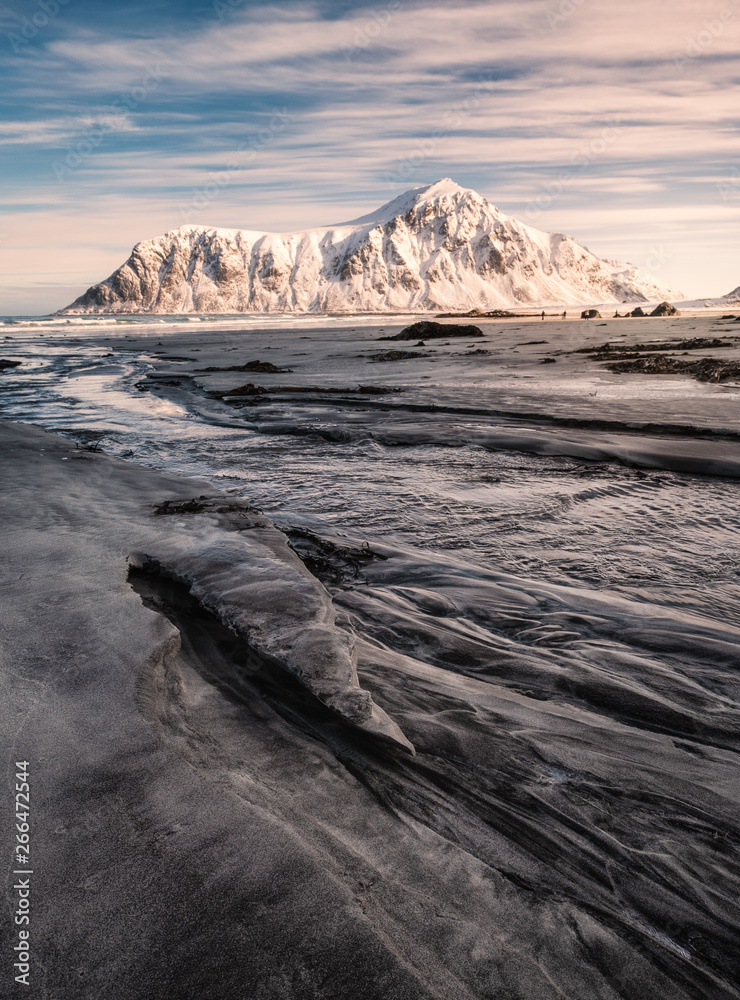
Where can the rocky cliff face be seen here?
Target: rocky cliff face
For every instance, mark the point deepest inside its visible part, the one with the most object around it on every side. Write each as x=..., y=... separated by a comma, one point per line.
x=438, y=248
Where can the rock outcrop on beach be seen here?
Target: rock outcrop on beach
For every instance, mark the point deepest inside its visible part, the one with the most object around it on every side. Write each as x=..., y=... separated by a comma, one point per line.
x=436, y=248
x=665, y=309
x=427, y=329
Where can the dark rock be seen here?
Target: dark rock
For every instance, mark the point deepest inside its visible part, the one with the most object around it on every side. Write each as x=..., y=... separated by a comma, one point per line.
x=590, y=314
x=547, y=361
x=364, y=390
x=245, y=390
x=638, y=312
x=198, y=504
x=330, y=562
x=265, y=367
x=703, y=369
x=482, y=314
x=665, y=309
x=691, y=344
x=426, y=329
x=6, y=363
x=397, y=355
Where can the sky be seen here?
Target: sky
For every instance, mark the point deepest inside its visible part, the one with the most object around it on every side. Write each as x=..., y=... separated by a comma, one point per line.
x=615, y=122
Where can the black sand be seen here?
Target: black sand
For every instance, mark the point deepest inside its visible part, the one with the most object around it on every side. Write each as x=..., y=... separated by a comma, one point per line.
x=203, y=828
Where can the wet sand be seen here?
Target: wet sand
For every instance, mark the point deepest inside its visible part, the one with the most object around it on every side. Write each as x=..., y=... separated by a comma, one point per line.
x=203, y=826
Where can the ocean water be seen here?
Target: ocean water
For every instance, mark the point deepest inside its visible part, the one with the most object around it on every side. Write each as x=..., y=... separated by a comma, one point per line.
x=540, y=560
x=484, y=455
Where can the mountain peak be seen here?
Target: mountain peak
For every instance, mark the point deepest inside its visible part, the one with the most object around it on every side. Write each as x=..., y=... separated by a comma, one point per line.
x=441, y=190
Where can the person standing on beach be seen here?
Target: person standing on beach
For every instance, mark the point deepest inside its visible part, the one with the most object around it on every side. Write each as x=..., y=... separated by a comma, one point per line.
x=543, y=313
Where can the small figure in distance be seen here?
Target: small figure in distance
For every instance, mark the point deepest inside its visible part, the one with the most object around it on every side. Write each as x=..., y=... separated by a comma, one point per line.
x=564, y=314
x=543, y=313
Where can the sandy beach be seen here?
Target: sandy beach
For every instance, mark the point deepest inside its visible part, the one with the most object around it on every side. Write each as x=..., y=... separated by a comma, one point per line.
x=219, y=713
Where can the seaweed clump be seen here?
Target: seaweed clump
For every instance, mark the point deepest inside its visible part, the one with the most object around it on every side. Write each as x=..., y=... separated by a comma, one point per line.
x=329, y=562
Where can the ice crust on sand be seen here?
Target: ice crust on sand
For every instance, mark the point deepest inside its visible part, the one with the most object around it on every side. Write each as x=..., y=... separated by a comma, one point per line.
x=240, y=567
x=235, y=562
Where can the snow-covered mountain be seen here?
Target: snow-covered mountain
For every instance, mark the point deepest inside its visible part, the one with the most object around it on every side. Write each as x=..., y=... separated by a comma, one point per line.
x=435, y=248
x=733, y=296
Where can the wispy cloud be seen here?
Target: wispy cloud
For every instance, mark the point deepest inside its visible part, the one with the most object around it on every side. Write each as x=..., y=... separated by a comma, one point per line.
x=494, y=94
